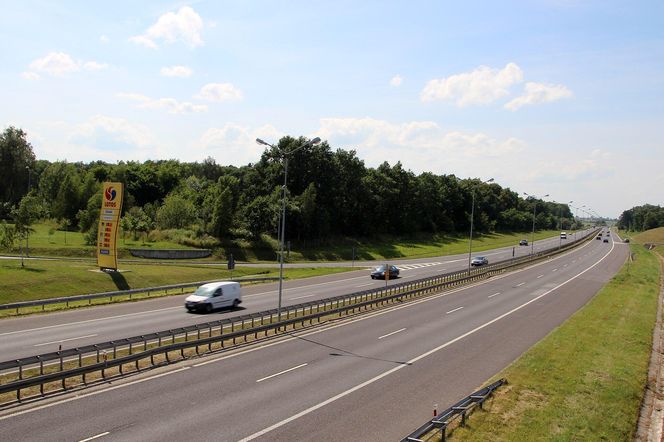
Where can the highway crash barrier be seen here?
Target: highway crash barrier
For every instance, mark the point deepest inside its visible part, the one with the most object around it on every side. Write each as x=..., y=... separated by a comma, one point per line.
x=56, y=368
x=440, y=422
x=67, y=300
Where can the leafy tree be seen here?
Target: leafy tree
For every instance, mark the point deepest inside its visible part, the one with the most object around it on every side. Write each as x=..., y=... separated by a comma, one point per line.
x=261, y=214
x=17, y=160
x=176, y=213
x=29, y=210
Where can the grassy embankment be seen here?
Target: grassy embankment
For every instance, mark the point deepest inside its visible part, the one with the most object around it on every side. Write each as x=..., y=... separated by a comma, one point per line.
x=585, y=381
x=51, y=279
x=47, y=241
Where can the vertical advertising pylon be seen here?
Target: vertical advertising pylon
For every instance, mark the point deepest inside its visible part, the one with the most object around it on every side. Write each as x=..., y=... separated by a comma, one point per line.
x=109, y=221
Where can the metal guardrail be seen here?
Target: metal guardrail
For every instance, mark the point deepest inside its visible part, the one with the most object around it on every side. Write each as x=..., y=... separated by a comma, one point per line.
x=94, y=358
x=89, y=297
x=460, y=409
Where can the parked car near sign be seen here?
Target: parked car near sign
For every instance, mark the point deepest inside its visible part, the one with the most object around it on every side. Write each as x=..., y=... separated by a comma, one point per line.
x=479, y=261
x=379, y=272
x=214, y=295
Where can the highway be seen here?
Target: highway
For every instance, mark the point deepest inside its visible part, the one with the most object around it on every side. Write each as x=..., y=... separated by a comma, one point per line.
x=373, y=377
x=39, y=334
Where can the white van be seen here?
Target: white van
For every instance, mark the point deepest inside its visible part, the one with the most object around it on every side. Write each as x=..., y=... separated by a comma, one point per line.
x=563, y=235
x=214, y=295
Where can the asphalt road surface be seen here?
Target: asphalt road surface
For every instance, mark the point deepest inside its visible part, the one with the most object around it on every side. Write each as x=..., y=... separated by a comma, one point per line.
x=39, y=334
x=374, y=377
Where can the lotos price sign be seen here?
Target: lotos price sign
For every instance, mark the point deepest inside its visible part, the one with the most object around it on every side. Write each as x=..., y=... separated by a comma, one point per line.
x=109, y=221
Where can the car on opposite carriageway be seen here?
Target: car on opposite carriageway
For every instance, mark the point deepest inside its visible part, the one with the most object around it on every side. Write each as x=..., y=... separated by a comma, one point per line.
x=379, y=272
x=214, y=295
x=479, y=261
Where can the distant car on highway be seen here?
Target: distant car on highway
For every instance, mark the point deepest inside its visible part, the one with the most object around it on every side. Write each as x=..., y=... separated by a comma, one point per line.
x=563, y=235
x=479, y=261
x=214, y=295
x=606, y=239
x=523, y=242
x=379, y=272
x=599, y=237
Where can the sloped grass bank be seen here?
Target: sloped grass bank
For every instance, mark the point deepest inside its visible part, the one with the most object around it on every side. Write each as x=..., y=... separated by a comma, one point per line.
x=585, y=381
x=52, y=279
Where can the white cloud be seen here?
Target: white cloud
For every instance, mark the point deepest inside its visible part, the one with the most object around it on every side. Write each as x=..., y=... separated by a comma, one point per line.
x=94, y=66
x=425, y=146
x=101, y=129
x=480, y=86
x=171, y=104
x=396, y=81
x=143, y=41
x=235, y=144
x=59, y=64
x=539, y=93
x=219, y=92
x=104, y=39
x=56, y=64
x=185, y=26
x=176, y=71
x=30, y=75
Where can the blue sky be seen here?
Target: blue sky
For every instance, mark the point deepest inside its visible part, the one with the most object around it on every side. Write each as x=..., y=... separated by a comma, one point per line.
x=560, y=97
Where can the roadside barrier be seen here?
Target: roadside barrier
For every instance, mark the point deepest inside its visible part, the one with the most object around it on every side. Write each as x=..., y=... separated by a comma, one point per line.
x=461, y=409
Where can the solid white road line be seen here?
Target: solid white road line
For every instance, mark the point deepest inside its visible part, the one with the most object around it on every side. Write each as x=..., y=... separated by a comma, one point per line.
x=305, y=296
x=409, y=363
x=94, y=393
x=281, y=372
x=393, y=333
x=95, y=437
x=304, y=287
x=65, y=340
x=520, y=284
x=365, y=285
x=87, y=321
x=495, y=294
x=455, y=310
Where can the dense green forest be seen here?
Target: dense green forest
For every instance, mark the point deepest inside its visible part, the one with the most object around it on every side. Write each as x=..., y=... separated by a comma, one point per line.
x=331, y=193
x=641, y=218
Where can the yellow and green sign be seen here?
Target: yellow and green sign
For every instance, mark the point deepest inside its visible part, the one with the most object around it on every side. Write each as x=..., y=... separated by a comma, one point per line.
x=109, y=220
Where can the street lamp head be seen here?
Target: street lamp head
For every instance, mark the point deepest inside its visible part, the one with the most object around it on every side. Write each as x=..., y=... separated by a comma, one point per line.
x=490, y=180
x=259, y=141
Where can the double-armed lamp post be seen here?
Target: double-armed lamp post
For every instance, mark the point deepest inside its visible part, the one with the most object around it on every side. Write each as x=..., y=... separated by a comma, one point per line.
x=532, y=238
x=472, y=215
x=282, y=228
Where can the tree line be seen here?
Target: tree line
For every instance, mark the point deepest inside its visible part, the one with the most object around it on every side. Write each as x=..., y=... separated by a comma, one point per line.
x=641, y=218
x=330, y=193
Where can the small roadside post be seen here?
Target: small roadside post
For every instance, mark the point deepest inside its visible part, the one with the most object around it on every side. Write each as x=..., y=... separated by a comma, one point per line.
x=231, y=264
x=387, y=273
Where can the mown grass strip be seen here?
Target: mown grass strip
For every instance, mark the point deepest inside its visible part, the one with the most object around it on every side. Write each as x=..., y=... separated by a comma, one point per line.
x=584, y=381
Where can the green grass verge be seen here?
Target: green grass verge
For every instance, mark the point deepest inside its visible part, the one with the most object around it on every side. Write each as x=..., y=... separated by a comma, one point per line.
x=48, y=241
x=52, y=279
x=422, y=246
x=584, y=381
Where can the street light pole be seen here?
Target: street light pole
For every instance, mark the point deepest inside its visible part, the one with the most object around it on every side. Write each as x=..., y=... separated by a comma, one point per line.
x=532, y=237
x=472, y=215
x=282, y=228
